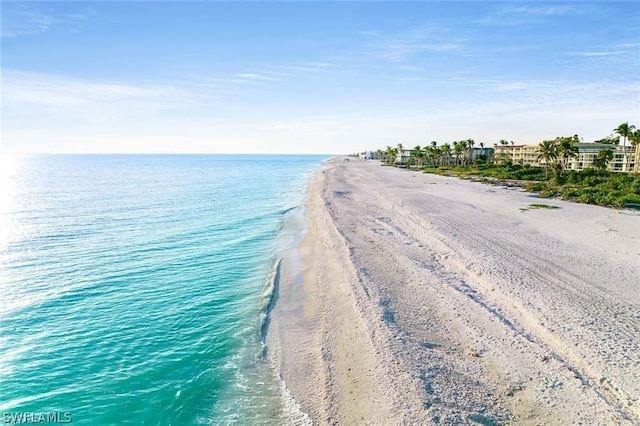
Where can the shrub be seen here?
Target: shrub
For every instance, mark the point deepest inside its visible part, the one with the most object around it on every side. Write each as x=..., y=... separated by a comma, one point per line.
x=535, y=187
x=571, y=192
x=587, y=186
x=548, y=192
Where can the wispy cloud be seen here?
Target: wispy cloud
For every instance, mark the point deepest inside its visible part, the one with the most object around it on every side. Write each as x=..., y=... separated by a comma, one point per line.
x=608, y=50
x=299, y=68
x=22, y=19
x=528, y=94
x=72, y=113
x=321, y=64
x=626, y=45
x=401, y=47
x=539, y=10
x=497, y=96
x=253, y=76
x=25, y=22
x=610, y=53
x=39, y=89
x=605, y=58
x=308, y=67
x=520, y=15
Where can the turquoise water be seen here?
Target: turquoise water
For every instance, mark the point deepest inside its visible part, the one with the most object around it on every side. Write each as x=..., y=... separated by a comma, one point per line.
x=133, y=287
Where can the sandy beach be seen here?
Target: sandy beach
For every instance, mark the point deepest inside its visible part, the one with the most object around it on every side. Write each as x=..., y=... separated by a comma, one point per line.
x=421, y=299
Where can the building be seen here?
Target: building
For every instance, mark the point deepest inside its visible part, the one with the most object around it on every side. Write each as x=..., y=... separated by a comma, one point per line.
x=477, y=152
x=517, y=154
x=403, y=155
x=368, y=155
x=587, y=152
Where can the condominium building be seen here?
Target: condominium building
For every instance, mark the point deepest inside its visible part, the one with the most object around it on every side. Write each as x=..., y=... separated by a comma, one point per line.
x=517, y=154
x=623, y=161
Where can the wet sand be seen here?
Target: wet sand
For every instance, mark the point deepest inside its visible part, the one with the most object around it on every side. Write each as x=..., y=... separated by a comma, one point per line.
x=420, y=299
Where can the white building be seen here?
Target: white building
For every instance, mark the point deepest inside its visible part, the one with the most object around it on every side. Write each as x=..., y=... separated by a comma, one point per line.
x=403, y=155
x=587, y=152
x=368, y=155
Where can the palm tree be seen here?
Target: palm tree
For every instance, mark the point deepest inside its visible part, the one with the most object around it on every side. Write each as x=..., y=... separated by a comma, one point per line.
x=634, y=138
x=390, y=155
x=446, y=152
x=469, y=144
x=602, y=159
x=624, y=130
x=438, y=154
x=566, y=149
x=458, y=149
x=426, y=153
x=434, y=152
x=547, y=151
x=417, y=153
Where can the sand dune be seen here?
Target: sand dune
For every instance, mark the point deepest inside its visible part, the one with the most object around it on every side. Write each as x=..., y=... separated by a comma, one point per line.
x=431, y=300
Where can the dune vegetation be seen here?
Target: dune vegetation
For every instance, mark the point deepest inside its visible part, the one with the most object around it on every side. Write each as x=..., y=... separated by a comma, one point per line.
x=589, y=186
x=595, y=185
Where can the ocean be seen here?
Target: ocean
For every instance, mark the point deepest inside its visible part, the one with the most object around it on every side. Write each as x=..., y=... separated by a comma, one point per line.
x=134, y=288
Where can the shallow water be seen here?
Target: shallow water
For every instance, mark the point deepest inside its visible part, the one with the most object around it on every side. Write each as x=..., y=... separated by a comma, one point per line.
x=133, y=287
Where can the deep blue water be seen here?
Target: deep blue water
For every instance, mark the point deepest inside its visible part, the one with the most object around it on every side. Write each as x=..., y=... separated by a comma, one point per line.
x=133, y=286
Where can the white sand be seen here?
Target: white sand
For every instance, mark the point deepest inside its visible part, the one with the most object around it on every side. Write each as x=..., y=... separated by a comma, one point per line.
x=427, y=299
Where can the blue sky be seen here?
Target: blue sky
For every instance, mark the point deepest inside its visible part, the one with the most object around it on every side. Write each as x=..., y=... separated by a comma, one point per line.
x=312, y=77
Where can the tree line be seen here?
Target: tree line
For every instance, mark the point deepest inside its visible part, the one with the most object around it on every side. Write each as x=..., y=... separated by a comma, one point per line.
x=554, y=154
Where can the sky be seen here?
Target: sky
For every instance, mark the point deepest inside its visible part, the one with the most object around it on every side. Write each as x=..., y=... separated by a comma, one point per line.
x=311, y=77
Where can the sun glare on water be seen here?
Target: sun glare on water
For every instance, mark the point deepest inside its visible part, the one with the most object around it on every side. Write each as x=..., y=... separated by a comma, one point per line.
x=9, y=168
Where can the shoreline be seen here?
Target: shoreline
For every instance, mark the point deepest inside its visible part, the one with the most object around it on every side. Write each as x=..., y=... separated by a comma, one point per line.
x=422, y=300
x=319, y=338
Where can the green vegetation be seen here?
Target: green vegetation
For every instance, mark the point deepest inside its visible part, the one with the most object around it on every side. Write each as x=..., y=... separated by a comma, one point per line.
x=556, y=153
x=587, y=186
x=602, y=159
x=626, y=131
x=609, y=140
x=592, y=186
x=490, y=172
x=542, y=206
